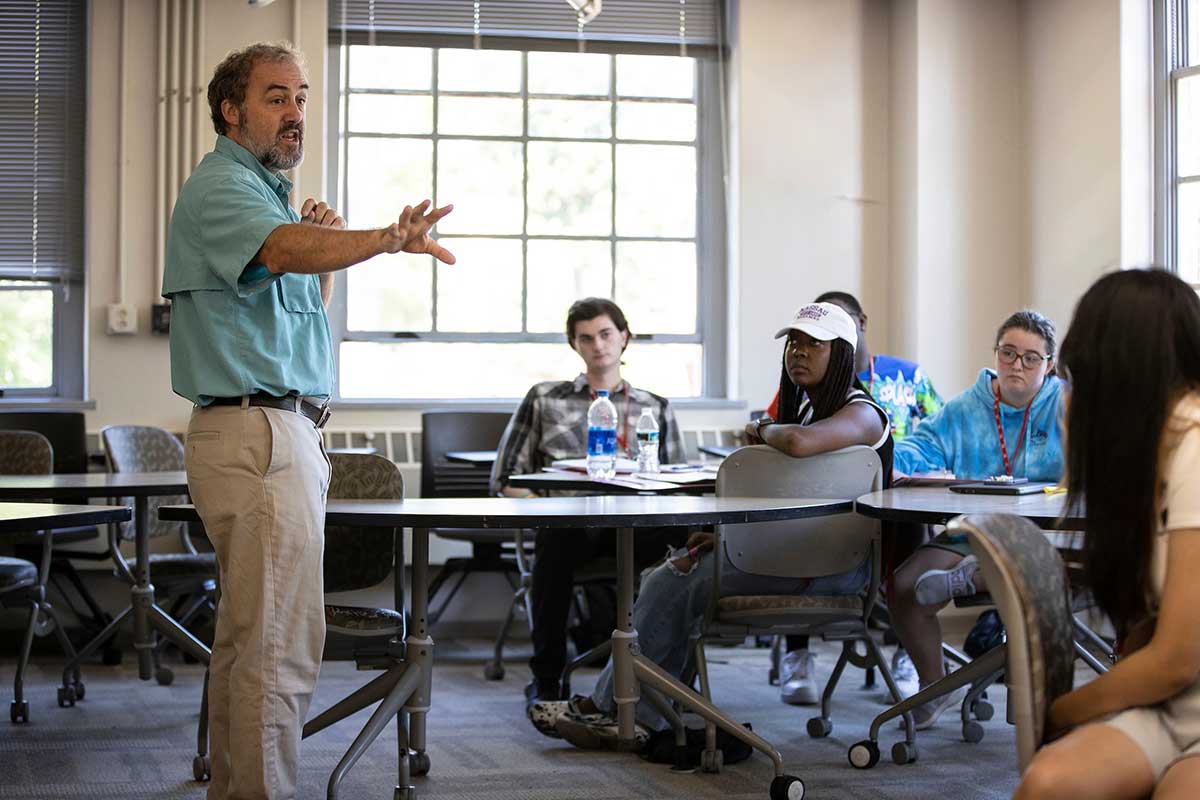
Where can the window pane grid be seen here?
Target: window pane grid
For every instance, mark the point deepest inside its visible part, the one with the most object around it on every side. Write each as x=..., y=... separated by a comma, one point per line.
x=555, y=148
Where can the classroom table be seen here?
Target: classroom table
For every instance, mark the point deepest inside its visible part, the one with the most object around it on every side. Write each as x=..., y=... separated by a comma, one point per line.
x=476, y=458
x=719, y=450
x=147, y=615
x=570, y=480
x=25, y=517
x=624, y=513
x=937, y=505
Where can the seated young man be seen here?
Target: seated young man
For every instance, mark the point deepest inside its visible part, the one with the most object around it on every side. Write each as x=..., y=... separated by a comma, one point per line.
x=906, y=393
x=551, y=424
x=1006, y=424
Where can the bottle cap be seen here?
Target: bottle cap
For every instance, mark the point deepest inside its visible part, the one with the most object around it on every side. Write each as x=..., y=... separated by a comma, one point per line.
x=602, y=393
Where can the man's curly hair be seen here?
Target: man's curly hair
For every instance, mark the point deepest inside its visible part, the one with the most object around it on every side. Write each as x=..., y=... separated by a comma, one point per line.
x=232, y=76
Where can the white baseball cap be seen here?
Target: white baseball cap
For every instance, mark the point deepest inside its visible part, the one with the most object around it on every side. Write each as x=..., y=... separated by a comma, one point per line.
x=824, y=322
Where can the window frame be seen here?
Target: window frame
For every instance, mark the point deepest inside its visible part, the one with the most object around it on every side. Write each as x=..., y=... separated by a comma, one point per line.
x=710, y=236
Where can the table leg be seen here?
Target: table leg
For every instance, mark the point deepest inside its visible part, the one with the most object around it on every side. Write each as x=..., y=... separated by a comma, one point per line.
x=143, y=591
x=625, y=642
x=419, y=650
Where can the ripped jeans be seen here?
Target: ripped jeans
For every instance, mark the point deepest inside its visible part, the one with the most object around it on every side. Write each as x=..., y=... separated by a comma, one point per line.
x=671, y=606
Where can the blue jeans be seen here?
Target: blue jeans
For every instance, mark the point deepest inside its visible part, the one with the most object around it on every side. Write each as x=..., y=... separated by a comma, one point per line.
x=671, y=605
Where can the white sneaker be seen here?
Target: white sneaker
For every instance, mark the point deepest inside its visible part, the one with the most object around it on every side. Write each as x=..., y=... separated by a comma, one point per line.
x=936, y=586
x=904, y=673
x=796, y=674
x=926, y=716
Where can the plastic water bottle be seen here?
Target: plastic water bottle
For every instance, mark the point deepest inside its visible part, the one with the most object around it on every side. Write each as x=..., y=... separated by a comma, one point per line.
x=647, y=439
x=602, y=437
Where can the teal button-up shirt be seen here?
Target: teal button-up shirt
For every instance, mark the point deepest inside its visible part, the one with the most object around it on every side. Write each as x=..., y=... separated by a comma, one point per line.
x=236, y=327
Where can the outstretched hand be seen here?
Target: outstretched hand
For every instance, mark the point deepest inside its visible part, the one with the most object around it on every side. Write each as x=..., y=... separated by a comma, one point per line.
x=410, y=233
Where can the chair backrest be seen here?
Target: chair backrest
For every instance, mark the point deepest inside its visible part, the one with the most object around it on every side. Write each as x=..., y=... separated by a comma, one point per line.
x=447, y=431
x=356, y=558
x=65, y=430
x=25, y=453
x=143, y=448
x=800, y=548
x=1028, y=583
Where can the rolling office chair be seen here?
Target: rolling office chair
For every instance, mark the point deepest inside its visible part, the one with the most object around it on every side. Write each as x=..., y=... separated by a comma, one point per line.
x=797, y=549
x=21, y=581
x=67, y=434
x=503, y=551
x=190, y=577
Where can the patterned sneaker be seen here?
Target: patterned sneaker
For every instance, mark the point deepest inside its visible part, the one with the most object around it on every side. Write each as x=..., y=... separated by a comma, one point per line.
x=796, y=673
x=596, y=731
x=939, y=585
x=544, y=714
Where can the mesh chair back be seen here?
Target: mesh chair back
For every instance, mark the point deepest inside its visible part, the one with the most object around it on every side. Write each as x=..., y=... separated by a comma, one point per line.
x=64, y=429
x=356, y=558
x=1028, y=582
x=448, y=431
x=800, y=548
x=143, y=448
x=25, y=453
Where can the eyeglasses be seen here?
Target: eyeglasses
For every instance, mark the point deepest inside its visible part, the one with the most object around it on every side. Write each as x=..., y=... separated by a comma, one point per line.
x=1029, y=359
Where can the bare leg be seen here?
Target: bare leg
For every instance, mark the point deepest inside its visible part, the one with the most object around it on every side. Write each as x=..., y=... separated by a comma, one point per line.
x=1179, y=781
x=1098, y=762
x=917, y=625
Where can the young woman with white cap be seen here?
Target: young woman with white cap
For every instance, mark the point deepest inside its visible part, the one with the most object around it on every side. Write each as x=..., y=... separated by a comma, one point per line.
x=823, y=407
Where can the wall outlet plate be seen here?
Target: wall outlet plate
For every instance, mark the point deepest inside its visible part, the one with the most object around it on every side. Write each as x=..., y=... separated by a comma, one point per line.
x=122, y=319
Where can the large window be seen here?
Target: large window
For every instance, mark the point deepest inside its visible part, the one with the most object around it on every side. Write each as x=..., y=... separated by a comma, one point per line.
x=42, y=59
x=572, y=173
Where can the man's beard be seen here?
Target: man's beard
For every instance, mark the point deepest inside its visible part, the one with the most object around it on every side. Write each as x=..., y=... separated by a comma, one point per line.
x=272, y=154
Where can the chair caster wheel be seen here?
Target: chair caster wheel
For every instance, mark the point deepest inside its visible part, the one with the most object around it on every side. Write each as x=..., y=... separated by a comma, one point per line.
x=164, y=676
x=18, y=712
x=66, y=696
x=111, y=656
x=786, y=787
x=819, y=727
x=983, y=710
x=972, y=732
x=904, y=753
x=493, y=671
x=80, y=690
x=201, y=769
x=418, y=764
x=864, y=754
x=712, y=762
x=405, y=793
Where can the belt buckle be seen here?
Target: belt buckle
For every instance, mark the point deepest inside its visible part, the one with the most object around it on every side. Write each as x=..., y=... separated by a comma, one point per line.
x=324, y=415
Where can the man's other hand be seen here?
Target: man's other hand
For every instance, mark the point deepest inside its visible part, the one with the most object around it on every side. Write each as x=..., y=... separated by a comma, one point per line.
x=314, y=213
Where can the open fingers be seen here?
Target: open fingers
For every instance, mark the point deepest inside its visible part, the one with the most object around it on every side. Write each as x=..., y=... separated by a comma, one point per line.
x=440, y=253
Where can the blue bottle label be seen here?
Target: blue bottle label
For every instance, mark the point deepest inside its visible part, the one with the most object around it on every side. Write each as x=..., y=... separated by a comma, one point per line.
x=602, y=442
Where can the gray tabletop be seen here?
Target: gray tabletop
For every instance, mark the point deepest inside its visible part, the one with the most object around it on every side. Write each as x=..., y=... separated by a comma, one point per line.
x=17, y=517
x=621, y=484
x=479, y=458
x=938, y=505
x=92, y=484
x=561, y=512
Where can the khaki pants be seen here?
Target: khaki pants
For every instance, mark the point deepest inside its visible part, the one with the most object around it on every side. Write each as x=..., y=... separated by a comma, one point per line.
x=258, y=477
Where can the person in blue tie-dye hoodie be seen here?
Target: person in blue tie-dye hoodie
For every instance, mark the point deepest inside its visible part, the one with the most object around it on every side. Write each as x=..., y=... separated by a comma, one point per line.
x=1006, y=424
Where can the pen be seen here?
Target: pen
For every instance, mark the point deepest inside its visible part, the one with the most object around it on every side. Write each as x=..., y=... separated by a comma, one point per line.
x=1055, y=489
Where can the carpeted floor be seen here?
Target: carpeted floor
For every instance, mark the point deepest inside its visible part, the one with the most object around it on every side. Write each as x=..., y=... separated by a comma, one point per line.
x=130, y=739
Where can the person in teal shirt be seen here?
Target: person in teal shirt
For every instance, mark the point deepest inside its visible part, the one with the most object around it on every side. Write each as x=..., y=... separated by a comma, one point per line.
x=249, y=279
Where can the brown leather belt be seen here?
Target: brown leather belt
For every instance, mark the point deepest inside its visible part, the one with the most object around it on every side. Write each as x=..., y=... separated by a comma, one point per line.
x=319, y=413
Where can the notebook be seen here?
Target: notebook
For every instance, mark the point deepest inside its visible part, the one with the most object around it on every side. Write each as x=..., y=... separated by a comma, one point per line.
x=1033, y=487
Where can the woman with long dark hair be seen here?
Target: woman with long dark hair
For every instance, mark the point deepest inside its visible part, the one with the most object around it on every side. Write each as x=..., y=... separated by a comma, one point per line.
x=1132, y=361
x=823, y=408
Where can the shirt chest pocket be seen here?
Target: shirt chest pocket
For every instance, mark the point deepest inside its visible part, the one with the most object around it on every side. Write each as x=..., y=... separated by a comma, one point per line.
x=300, y=294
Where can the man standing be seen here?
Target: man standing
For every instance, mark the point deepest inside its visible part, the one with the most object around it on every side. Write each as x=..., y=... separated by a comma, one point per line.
x=249, y=279
x=551, y=424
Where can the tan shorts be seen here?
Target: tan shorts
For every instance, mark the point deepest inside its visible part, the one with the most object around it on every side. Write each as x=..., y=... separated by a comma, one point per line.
x=1163, y=736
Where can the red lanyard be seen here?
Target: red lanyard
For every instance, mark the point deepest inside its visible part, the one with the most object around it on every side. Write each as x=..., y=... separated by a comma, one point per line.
x=1000, y=433
x=622, y=438
x=871, y=378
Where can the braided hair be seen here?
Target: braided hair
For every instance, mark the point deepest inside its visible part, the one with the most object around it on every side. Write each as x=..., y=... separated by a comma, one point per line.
x=827, y=398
